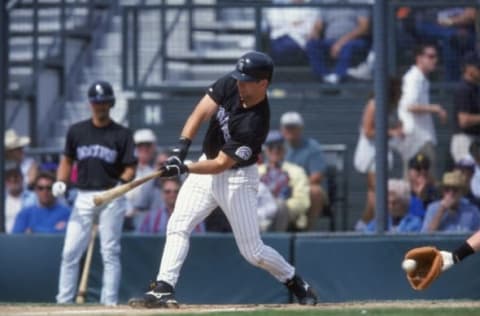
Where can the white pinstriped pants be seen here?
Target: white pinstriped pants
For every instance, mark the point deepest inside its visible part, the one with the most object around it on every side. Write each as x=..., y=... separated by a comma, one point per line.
x=235, y=191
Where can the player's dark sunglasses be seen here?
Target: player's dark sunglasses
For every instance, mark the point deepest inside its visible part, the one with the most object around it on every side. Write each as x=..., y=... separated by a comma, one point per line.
x=43, y=187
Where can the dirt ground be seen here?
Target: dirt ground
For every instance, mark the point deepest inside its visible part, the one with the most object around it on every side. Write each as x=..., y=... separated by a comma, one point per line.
x=73, y=310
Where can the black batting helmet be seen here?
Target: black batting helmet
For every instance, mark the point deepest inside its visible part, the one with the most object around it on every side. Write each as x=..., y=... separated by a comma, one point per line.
x=101, y=92
x=253, y=66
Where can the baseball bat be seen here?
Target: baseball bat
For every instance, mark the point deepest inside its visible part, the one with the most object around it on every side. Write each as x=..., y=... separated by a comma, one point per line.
x=82, y=287
x=110, y=194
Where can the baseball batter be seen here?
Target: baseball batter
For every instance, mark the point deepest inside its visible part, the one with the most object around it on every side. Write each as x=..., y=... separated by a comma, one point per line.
x=104, y=152
x=226, y=176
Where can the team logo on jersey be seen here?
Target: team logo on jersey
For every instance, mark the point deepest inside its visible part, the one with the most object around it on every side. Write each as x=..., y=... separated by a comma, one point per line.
x=97, y=151
x=244, y=152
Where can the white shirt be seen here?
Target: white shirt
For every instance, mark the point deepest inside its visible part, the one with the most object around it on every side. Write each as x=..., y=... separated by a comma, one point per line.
x=12, y=208
x=294, y=22
x=418, y=127
x=267, y=207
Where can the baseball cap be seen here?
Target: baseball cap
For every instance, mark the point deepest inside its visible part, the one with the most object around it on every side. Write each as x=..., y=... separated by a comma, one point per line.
x=274, y=137
x=253, y=66
x=472, y=59
x=291, y=119
x=144, y=135
x=419, y=162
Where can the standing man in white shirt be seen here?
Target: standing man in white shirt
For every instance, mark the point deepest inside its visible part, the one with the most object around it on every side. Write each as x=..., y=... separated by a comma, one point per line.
x=415, y=109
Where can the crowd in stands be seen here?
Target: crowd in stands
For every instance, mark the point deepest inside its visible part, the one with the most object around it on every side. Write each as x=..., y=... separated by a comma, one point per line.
x=331, y=40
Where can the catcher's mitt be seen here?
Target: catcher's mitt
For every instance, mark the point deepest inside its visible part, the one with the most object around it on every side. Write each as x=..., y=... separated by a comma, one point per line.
x=428, y=268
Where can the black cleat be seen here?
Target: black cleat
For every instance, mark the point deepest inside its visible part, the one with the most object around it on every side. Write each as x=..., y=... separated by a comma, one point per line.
x=302, y=291
x=159, y=295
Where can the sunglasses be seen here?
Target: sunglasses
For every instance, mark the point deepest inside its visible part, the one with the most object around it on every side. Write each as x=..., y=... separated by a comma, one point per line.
x=170, y=191
x=43, y=187
x=451, y=189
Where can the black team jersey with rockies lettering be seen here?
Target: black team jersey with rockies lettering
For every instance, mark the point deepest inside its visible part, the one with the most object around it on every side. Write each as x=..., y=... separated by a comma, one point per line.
x=235, y=130
x=101, y=153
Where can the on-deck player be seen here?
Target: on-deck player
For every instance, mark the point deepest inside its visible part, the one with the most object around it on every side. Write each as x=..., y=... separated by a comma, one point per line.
x=104, y=151
x=226, y=176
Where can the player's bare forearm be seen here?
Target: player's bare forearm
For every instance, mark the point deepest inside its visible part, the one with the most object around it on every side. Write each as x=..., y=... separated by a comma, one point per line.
x=423, y=108
x=202, y=112
x=64, y=169
x=128, y=174
x=212, y=166
x=474, y=241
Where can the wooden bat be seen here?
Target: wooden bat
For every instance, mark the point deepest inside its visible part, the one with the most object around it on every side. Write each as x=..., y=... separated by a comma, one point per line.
x=82, y=288
x=110, y=194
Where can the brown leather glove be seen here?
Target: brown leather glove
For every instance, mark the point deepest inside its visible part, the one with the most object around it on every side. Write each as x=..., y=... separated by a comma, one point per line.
x=428, y=266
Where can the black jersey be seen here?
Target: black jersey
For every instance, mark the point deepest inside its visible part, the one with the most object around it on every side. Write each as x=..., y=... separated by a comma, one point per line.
x=235, y=130
x=101, y=153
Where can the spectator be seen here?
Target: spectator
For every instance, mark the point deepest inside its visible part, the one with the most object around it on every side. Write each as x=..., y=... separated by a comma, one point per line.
x=467, y=109
x=399, y=219
x=415, y=110
x=155, y=221
x=17, y=197
x=290, y=29
x=423, y=189
x=345, y=34
x=142, y=198
x=466, y=167
x=454, y=29
x=475, y=181
x=453, y=212
x=288, y=184
x=267, y=207
x=364, y=157
x=48, y=216
x=306, y=152
x=14, y=145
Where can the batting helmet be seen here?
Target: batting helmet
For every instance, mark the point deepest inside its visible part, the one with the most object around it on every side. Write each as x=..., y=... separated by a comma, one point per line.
x=253, y=66
x=101, y=92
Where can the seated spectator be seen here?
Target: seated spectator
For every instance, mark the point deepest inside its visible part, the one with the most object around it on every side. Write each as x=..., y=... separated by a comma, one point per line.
x=467, y=108
x=340, y=34
x=14, y=145
x=454, y=29
x=399, y=219
x=290, y=29
x=267, y=207
x=47, y=216
x=288, y=184
x=306, y=152
x=423, y=189
x=17, y=197
x=155, y=221
x=453, y=213
x=466, y=167
x=141, y=199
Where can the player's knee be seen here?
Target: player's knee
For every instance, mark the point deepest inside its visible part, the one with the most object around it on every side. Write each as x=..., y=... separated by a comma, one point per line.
x=253, y=256
x=71, y=256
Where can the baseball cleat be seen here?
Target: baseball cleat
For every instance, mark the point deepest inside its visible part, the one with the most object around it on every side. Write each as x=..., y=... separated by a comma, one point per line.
x=160, y=295
x=302, y=291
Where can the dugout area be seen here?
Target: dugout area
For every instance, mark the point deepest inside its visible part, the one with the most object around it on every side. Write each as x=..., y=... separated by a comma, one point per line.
x=342, y=268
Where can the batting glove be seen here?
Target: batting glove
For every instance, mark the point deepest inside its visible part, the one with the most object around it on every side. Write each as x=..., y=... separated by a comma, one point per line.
x=448, y=260
x=59, y=188
x=181, y=150
x=173, y=167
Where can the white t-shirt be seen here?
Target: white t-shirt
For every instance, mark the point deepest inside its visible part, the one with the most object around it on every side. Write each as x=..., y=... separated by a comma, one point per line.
x=294, y=22
x=418, y=127
x=12, y=207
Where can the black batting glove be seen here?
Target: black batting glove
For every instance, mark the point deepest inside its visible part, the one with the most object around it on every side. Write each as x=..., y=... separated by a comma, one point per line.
x=181, y=150
x=174, y=167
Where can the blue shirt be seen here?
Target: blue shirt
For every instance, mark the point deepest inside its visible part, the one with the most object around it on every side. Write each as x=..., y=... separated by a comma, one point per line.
x=408, y=224
x=308, y=155
x=466, y=218
x=39, y=219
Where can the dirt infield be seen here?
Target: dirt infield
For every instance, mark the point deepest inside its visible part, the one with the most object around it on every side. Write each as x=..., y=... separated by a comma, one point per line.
x=73, y=310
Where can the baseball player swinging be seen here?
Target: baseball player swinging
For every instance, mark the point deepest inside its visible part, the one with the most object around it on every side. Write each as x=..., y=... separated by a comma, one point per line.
x=104, y=151
x=226, y=176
